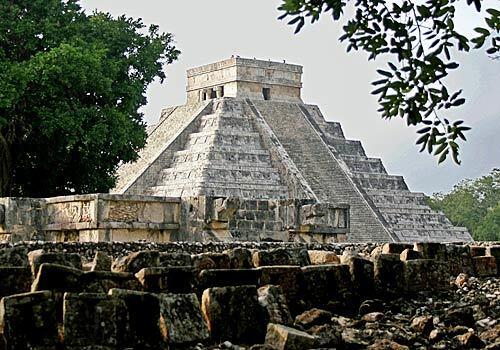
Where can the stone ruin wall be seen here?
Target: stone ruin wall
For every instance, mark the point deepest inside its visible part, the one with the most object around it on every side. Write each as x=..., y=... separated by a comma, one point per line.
x=177, y=295
x=126, y=218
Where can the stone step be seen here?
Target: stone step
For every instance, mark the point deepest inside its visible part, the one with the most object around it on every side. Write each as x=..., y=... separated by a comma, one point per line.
x=396, y=197
x=222, y=189
x=416, y=218
x=364, y=164
x=224, y=138
x=334, y=129
x=346, y=147
x=247, y=156
x=226, y=148
x=329, y=128
x=448, y=234
x=261, y=175
x=380, y=181
x=200, y=159
x=222, y=122
x=270, y=176
x=228, y=133
x=221, y=165
x=420, y=226
x=404, y=208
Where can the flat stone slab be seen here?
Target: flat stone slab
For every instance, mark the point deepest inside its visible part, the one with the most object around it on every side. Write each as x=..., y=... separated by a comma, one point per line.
x=286, y=338
x=19, y=326
x=234, y=314
x=181, y=319
x=144, y=330
x=92, y=320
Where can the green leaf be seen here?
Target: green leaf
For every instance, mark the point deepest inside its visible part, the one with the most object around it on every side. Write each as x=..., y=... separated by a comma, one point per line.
x=384, y=73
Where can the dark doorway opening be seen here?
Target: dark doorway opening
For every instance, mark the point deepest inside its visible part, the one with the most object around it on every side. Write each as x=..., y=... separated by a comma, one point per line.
x=266, y=93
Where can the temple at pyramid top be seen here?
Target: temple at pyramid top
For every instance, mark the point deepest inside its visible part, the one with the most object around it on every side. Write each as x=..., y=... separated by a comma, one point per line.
x=246, y=133
x=245, y=78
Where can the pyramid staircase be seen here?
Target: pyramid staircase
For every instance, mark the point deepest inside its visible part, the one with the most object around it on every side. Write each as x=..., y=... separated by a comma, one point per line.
x=405, y=212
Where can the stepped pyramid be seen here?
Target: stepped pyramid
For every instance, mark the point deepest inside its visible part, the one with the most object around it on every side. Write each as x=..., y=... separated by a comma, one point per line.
x=245, y=132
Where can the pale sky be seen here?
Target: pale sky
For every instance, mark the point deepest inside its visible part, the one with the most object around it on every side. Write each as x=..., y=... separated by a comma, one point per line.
x=209, y=31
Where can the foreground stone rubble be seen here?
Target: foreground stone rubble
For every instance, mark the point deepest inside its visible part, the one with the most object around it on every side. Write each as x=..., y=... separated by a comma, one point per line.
x=264, y=296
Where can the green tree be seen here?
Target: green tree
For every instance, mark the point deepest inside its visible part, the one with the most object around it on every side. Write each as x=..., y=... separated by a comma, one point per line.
x=489, y=229
x=474, y=204
x=418, y=38
x=71, y=85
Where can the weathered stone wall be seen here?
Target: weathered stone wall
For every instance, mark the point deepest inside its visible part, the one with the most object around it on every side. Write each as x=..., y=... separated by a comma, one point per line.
x=162, y=141
x=245, y=78
x=126, y=218
x=151, y=299
x=234, y=219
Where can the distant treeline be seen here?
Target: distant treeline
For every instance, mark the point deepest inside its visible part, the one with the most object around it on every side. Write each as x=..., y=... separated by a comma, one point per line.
x=474, y=204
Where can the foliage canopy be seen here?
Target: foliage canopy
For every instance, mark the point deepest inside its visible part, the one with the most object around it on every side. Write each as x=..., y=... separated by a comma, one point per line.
x=71, y=85
x=474, y=204
x=418, y=38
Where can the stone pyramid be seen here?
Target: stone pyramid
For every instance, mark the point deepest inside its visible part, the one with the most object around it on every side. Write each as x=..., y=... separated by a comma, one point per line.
x=245, y=132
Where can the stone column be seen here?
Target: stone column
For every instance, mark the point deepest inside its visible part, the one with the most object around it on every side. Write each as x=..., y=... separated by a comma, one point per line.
x=220, y=91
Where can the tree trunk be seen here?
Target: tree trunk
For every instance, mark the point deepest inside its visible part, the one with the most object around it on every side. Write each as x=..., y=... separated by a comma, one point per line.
x=5, y=167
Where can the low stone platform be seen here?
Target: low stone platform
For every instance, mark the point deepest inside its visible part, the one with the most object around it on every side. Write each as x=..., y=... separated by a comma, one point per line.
x=128, y=218
x=281, y=296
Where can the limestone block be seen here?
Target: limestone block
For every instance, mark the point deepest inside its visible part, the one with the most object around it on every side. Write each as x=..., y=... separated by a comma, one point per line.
x=324, y=283
x=289, y=278
x=395, y=248
x=101, y=262
x=57, y=278
x=273, y=300
x=234, y=314
x=240, y=258
x=281, y=256
x=93, y=320
x=175, y=259
x=144, y=319
x=484, y=266
x=227, y=277
x=459, y=259
x=313, y=317
x=361, y=271
x=181, y=320
x=175, y=279
x=281, y=337
x=38, y=257
x=211, y=261
x=225, y=208
x=431, y=250
x=21, y=218
x=410, y=254
x=14, y=257
x=426, y=275
x=103, y=281
x=320, y=257
x=15, y=280
x=157, y=212
x=134, y=262
x=28, y=321
x=388, y=274
x=495, y=252
x=323, y=217
x=299, y=257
